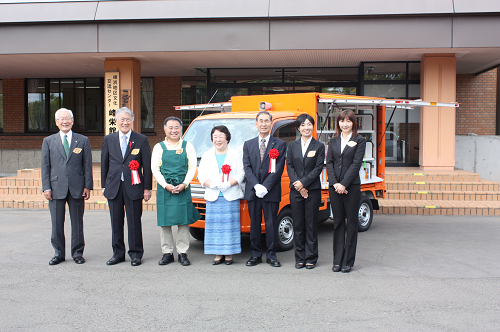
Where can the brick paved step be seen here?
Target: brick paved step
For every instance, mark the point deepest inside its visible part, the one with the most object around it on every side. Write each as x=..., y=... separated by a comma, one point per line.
x=439, y=207
x=39, y=202
x=482, y=185
x=416, y=174
x=444, y=195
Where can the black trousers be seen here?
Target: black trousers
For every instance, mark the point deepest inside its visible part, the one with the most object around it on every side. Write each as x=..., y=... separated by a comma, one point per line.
x=345, y=233
x=305, y=225
x=270, y=209
x=117, y=208
x=57, y=214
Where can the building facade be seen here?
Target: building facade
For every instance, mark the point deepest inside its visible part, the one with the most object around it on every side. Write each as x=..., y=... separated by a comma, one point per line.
x=55, y=54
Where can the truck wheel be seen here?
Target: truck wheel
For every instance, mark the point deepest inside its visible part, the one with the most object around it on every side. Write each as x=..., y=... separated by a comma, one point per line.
x=197, y=233
x=365, y=214
x=285, y=230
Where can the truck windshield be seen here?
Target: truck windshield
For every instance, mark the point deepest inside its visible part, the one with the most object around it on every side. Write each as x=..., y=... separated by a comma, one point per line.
x=198, y=133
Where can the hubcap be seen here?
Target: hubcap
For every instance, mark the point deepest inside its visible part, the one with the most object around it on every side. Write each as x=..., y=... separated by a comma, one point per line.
x=364, y=214
x=286, y=230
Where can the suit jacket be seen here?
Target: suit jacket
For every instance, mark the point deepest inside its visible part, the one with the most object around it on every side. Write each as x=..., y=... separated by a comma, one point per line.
x=344, y=167
x=61, y=174
x=209, y=170
x=308, y=168
x=113, y=165
x=257, y=172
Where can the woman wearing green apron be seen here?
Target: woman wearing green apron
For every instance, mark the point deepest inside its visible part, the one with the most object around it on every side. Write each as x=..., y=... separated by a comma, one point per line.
x=174, y=164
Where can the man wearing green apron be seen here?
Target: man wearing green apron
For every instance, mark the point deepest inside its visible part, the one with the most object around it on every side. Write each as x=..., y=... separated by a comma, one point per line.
x=174, y=164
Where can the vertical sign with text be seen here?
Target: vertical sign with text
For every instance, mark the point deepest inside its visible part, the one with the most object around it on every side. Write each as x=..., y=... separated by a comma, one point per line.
x=112, y=100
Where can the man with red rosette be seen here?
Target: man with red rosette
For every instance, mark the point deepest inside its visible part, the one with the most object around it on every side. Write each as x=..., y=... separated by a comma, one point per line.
x=126, y=180
x=264, y=161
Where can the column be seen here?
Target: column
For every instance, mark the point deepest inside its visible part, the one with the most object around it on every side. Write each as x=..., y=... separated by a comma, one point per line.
x=437, y=124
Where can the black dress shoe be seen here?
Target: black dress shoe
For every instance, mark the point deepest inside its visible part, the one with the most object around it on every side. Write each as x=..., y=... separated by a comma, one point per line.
x=299, y=265
x=166, y=259
x=56, y=260
x=115, y=260
x=183, y=259
x=254, y=261
x=310, y=266
x=79, y=260
x=217, y=262
x=336, y=268
x=273, y=262
x=136, y=262
x=346, y=269
x=229, y=262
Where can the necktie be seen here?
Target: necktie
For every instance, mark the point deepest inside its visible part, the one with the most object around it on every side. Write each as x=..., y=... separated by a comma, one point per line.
x=124, y=148
x=66, y=145
x=124, y=145
x=262, y=148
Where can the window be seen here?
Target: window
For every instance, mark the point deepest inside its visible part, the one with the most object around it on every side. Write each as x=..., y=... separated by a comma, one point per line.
x=1, y=105
x=147, y=104
x=83, y=96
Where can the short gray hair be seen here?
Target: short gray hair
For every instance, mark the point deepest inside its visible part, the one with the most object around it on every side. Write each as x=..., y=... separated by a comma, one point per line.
x=124, y=110
x=63, y=110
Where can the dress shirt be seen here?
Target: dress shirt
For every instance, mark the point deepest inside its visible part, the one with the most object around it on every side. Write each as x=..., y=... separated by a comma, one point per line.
x=343, y=142
x=120, y=135
x=69, y=134
x=156, y=161
x=305, y=145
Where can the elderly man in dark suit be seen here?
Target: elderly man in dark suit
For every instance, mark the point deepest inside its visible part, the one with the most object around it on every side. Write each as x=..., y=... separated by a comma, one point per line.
x=66, y=178
x=264, y=161
x=126, y=180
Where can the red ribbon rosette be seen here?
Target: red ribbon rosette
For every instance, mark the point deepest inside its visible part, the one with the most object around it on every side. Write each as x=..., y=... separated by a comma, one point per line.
x=134, y=166
x=226, y=169
x=273, y=154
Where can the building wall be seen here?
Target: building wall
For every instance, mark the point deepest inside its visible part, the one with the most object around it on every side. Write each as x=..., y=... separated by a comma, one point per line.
x=167, y=95
x=478, y=98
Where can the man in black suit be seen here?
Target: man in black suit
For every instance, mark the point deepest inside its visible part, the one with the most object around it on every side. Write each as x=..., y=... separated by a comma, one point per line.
x=125, y=186
x=66, y=178
x=264, y=161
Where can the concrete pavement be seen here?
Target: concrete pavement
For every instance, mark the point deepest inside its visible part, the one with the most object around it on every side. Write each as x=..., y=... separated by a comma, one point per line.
x=412, y=273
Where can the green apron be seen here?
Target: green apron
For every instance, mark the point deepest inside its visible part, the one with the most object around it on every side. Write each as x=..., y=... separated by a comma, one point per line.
x=174, y=209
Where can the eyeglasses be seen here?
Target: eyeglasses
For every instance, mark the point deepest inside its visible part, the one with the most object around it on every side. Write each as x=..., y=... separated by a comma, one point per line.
x=67, y=118
x=125, y=119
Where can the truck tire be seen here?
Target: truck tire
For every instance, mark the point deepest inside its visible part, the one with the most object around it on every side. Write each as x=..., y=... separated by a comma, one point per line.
x=197, y=233
x=285, y=229
x=365, y=214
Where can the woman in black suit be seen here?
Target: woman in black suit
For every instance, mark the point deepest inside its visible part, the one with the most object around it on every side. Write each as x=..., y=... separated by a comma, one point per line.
x=304, y=161
x=345, y=155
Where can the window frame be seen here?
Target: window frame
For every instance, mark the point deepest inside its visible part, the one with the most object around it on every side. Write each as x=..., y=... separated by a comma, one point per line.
x=47, y=115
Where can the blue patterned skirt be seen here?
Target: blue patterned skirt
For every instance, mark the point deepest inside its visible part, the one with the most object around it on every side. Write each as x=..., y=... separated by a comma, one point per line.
x=222, y=227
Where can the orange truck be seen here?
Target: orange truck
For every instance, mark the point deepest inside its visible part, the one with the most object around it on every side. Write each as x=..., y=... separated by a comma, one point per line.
x=239, y=115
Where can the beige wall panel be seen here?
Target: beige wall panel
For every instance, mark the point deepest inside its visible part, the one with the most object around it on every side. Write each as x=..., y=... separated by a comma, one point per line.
x=476, y=31
x=184, y=36
x=119, y=10
x=356, y=33
x=68, y=38
x=280, y=8
x=476, y=6
x=48, y=12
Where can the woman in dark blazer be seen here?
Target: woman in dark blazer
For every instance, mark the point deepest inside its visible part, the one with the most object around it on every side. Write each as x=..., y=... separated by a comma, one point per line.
x=304, y=162
x=345, y=155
